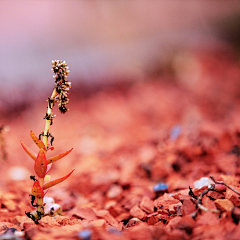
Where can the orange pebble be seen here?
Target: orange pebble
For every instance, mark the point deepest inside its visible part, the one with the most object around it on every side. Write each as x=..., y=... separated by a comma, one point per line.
x=220, y=187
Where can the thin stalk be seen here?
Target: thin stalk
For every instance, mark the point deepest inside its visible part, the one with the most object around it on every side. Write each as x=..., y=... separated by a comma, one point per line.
x=49, y=121
x=40, y=200
x=45, y=141
x=40, y=208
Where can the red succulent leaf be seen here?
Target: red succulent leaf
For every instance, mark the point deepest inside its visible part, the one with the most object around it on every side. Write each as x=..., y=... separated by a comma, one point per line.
x=55, y=158
x=40, y=165
x=28, y=151
x=38, y=142
x=37, y=191
x=52, y=183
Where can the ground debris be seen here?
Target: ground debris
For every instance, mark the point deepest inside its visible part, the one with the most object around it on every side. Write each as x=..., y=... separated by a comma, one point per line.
x=138, y=151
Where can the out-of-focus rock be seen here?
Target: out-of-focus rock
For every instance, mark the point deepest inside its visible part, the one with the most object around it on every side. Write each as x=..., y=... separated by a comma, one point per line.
x=147, y=204
x=224, y=205
x=205, y=181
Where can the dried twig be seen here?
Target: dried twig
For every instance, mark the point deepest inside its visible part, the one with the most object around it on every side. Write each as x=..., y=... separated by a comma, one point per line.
x=198, y=203
x=191, y=193
x=199, y=200
x=223, y=183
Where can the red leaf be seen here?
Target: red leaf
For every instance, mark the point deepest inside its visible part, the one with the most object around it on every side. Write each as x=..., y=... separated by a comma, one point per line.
x=55, y=158
x=52, y=183
x=37, y=191
x=40, y=165
x=38, y=142
x=28, y=151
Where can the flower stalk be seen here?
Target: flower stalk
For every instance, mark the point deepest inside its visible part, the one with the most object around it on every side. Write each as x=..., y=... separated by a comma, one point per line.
x=42, y=165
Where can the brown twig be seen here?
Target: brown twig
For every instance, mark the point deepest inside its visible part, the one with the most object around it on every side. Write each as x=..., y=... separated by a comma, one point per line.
x=223, y=183
x=199, y=200
x=191, y=193
x=198, y=203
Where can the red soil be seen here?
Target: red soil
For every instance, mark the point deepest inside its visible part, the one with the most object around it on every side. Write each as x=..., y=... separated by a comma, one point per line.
x=125, y=141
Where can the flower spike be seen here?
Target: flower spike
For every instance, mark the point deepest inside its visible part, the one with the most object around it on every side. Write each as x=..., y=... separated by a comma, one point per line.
x=62, y=86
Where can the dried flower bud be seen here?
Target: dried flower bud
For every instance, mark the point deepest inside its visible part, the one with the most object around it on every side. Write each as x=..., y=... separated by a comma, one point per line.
x=62, y=86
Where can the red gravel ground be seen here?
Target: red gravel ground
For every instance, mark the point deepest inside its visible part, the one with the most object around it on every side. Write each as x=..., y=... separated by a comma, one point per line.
x=174, y=129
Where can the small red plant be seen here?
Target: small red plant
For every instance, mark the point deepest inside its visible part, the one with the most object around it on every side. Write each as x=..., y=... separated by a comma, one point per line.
x=42, y=165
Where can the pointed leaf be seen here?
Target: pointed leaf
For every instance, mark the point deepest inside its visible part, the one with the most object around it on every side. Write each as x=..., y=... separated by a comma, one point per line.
x=38, y=142
x=28, y=151
x=52, y=183
x=40, y=165
x=37, y=191
x=55, y=158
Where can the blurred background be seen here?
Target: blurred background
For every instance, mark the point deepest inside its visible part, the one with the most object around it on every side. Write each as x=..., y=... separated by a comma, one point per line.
x=155, y=93
x=104, y=41
x=177, y=60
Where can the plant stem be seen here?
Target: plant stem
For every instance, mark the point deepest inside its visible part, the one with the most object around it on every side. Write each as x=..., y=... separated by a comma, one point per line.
x=40, y=207
x=49, y=121
x=45, y=141
x=40, y=200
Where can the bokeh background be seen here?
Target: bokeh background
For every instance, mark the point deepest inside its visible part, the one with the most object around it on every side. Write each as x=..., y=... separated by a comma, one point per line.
x=103, y=41
x=143, y=73
x=155, y=98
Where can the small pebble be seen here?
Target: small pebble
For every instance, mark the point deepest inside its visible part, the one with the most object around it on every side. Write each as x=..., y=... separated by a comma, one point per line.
x=114, y=191
x=11, y=234
x=133, y=222
x=85, y=234
x=51, y=207
x=205, y=181
x=175, y=132
x=220, y=187
x=160, y=187
x=114, y=231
